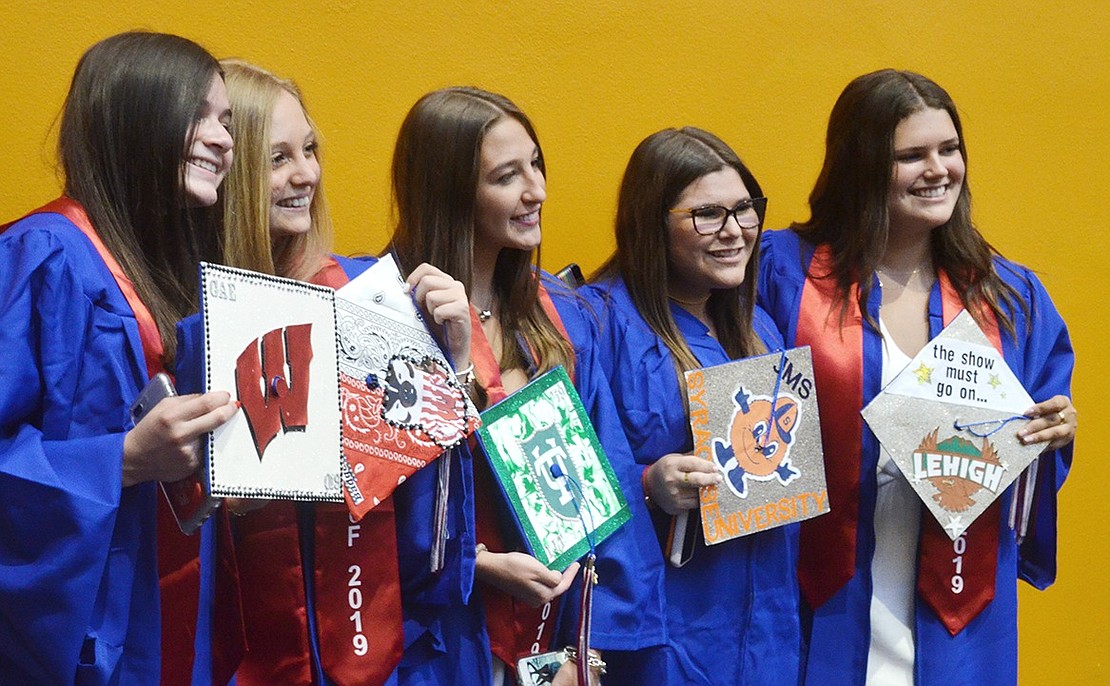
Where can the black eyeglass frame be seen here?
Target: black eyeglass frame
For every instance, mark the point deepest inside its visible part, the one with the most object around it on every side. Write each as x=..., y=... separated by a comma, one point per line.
x=758, y=204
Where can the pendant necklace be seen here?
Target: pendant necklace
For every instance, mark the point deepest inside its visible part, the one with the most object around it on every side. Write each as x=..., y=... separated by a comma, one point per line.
x=901, y=278
x=485, y=314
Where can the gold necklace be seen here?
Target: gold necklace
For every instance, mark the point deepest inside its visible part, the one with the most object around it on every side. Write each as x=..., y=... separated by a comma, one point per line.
x=891, y=272
x=902, y=278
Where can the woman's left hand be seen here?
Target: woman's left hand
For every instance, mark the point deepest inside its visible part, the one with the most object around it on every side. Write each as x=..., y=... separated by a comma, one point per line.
x=673, y=481
x=523, y=576
x=444, y=302
x=1053, y=421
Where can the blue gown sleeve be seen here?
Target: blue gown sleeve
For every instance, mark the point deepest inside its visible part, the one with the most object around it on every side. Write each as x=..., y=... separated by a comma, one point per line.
x=444, y=632
x=1047, y=359
x=66, y=564
x=639, y=368
x=628, y=611
x=353, y=266
x=781, y=274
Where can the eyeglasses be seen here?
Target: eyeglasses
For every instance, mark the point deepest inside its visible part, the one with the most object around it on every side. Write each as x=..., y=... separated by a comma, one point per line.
x=710, y=219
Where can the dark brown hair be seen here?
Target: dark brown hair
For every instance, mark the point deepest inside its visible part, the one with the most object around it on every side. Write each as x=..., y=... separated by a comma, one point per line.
x=663, y=165
x=132, y=103
x=849, y=204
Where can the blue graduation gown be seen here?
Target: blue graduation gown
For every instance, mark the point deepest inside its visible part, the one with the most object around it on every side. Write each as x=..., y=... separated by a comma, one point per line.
x=78, y=575
x=445, y=640
x=628, y=605
x=445, y=635
x=985, y=652
x=731, y=612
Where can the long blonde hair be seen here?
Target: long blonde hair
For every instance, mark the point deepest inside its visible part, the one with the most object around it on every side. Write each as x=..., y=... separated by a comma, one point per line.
x=245, y=201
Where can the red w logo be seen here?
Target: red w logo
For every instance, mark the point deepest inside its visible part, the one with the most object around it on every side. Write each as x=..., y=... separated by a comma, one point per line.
x=274, y=392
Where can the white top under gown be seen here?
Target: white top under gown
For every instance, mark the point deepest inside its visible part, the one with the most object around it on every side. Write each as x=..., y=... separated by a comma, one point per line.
x=894, y=567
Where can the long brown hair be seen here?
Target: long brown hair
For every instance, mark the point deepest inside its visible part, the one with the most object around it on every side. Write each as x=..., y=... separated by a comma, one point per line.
x=663, y=165
x=123, y=141
x=849, y=205
x=436, y=165
x=245, y=201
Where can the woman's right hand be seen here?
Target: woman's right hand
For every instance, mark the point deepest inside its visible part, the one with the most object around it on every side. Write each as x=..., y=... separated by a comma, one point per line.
x=673, y=481
x=163, y=446
x=443, y=300
x=523, y=576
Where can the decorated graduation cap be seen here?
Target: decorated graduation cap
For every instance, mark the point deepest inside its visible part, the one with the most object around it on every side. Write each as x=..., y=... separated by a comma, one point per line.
x=949, y=421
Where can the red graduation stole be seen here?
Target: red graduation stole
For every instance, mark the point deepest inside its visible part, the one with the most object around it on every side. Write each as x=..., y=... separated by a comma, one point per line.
x=357, y=602
x=515, y=629
x=356, y=593
x=827, y=553
x=355, y=579
x=178, y=554
x=827, y=544
x=974, y=561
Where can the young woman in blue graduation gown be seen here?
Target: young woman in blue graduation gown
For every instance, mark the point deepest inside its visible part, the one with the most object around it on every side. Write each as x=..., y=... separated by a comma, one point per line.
x=679, y=294
x=469, y=183
x=93, y=285
x=295, y=559
x=890, y=248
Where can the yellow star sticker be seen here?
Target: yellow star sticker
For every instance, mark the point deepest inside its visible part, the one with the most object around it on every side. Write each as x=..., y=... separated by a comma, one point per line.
x=994, y=381
x=924, y=374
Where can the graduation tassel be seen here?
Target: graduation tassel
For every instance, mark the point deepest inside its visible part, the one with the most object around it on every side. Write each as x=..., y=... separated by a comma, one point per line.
x=439, y=525
x=761, y=440
x=581, y=654
x=585, y=617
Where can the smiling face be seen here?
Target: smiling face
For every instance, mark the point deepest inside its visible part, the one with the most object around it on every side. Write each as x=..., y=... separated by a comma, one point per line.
x=699, y=264
x=928, y=171
x=209, y=147
x=511, y=189
x=295, y=169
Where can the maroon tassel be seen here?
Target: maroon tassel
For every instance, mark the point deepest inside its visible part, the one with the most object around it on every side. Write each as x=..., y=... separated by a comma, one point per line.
x=585, y=619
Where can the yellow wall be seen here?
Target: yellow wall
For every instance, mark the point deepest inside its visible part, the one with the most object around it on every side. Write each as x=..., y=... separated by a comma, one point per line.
x=1031, y=78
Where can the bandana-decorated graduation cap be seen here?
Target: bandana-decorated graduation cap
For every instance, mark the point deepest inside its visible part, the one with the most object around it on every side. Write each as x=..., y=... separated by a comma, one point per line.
x=403, y=406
